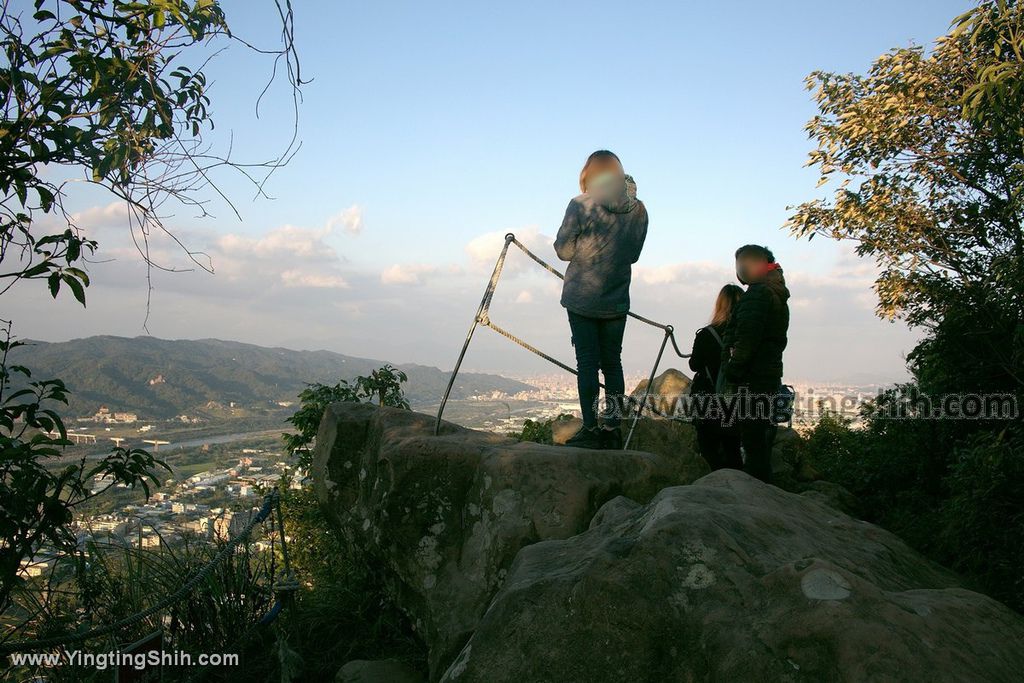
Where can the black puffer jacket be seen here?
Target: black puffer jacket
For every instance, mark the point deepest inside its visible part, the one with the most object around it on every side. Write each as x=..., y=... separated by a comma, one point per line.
x=705, y=359
x=756, y=335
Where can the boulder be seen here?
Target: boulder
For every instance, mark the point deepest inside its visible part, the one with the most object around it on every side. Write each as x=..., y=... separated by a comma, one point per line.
x=667, y=390
x=442, y=517
x=669, y=438
x=831, y=494
x=729, y=579
x=790, y=468
x=378, y=671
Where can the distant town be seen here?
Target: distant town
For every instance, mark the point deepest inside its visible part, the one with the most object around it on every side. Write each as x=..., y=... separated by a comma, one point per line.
x=211, y=505
x=556, y=395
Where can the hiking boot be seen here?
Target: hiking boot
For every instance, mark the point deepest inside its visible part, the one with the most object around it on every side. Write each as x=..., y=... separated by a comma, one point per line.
x=611, y=438
x=586, y=437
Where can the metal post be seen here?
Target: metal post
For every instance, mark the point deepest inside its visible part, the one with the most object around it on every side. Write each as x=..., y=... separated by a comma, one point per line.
x=647, y=389
x=481, y=313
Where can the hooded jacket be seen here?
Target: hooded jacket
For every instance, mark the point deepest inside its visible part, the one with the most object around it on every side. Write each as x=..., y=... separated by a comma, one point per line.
x=756, y=335
x=601, y=238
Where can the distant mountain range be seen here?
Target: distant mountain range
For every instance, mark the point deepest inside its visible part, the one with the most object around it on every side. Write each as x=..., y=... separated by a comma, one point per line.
x=160, y=378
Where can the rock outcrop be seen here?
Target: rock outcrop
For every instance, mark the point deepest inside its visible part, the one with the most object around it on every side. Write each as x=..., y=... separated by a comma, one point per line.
x=790, y=469
x=729, y=579
x=667, y=390
x=524, y=562
x=662, y=437
x=377, y=671
x=442, y=517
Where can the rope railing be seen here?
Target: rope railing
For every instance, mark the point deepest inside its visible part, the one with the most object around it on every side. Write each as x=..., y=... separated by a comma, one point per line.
x=483, y=318
x=284, y=587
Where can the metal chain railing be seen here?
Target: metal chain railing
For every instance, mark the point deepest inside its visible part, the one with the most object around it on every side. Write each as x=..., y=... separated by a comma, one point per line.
x=483, y=318
x=283, y=588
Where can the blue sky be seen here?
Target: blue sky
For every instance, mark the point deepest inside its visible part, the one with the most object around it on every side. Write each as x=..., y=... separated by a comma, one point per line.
x=429, y=130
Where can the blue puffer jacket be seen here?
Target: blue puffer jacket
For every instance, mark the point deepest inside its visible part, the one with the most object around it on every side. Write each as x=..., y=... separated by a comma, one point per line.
x=601, y=238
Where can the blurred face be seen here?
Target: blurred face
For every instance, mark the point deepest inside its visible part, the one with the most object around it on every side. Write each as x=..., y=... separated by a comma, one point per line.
x=602, y=171
x=748, y=268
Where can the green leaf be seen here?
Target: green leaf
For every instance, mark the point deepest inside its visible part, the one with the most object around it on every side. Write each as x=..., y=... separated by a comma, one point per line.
x=76, y=287
x=45, y=198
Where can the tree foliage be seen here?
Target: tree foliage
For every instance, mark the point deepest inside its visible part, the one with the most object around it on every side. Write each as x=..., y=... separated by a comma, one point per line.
x=924, y=155
x=116, y=88
x=539, y=431
x=928, y=152
x=383, y=386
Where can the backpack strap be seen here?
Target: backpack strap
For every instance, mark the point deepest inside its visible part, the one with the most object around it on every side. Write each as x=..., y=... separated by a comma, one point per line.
x=714, y=333
x=718, y=338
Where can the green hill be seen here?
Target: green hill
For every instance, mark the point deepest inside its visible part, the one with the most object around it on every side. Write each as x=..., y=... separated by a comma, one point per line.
x=160, y=378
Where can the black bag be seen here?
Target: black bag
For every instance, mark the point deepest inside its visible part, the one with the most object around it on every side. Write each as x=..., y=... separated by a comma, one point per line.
x=785, y=397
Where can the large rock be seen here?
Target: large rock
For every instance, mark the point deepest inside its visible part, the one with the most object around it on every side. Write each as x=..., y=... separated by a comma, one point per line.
x=729, y=579
x=790, y=467
x=667, y=390
x=443, y=516
x=378, y=671
x=669, y=438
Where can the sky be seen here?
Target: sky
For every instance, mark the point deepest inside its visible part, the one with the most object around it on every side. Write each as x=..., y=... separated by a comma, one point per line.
x=429, y=130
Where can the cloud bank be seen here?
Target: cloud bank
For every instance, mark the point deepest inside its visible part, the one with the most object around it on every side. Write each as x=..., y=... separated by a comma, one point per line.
x=312, y=287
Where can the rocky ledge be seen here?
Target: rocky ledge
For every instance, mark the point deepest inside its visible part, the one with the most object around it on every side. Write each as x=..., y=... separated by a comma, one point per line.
x=442, y=517
x=523, y=562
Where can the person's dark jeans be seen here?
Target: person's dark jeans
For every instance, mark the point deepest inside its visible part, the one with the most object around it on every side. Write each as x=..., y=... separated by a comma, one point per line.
x=718, y=445
x=756, y=429
x=598, y=344
x=757, y=437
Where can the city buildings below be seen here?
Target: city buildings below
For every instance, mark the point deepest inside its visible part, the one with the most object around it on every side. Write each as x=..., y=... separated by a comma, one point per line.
x=105, y=416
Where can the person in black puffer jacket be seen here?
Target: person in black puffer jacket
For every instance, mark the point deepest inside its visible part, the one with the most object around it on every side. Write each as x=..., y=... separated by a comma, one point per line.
x=752, y=354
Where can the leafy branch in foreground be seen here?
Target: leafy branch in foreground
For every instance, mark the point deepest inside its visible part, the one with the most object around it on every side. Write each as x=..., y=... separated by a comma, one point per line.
x=39, y=491
x=116, y=88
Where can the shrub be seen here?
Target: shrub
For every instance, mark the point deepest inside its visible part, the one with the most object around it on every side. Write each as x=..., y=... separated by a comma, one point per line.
x=958, y=500
x=983, y=514
x=539, y=431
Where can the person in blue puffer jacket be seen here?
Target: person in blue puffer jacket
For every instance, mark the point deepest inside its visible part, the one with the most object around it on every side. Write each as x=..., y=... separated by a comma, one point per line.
x=601, y=236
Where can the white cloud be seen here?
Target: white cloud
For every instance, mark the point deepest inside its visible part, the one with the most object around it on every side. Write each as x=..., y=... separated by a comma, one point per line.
x=301, y=278
x=407, y=274
x=350, y=220
x=259, y=294
x=114, y=214
x=288, y=239
x=803, y=302
x=245, y=265
x=683, y=273
x=483, y=250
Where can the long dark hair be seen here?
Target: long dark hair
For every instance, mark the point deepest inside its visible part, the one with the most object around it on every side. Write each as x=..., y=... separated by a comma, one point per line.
x=726, y=301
